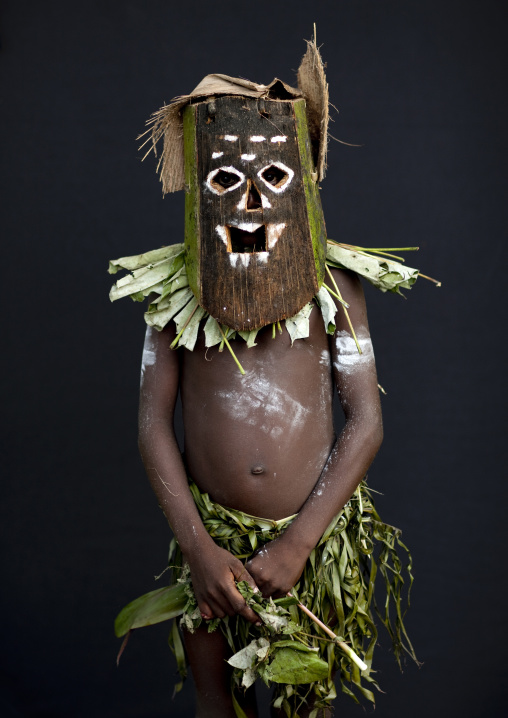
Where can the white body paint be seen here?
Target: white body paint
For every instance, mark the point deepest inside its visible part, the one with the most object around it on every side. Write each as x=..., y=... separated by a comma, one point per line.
x=231, y=138
x=278, y=138
x=257, y=138
x=248, y=158
x=348, y=358
x=265, y=202
x=216, y=155
x=280, y=410
x=148, y=358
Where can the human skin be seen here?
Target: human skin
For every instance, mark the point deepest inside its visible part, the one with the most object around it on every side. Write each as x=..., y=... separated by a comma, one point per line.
x=263, y=443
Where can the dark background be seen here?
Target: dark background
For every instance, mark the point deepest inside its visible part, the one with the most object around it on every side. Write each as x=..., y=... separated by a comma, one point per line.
x=422, y=87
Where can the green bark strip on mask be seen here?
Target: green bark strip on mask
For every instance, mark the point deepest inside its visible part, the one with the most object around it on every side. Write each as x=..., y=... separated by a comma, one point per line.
x=255, y=235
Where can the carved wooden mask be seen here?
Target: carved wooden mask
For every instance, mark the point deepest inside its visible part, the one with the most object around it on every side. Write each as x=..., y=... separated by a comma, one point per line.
x=255, y=235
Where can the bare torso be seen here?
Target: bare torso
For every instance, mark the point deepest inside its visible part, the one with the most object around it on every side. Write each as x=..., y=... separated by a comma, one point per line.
x=259, y=442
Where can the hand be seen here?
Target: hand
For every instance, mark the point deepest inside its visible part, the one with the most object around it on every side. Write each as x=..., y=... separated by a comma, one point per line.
x=214, y=572
x=276, y=567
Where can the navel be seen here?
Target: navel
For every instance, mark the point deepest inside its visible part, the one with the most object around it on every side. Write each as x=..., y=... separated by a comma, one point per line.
x=258, y=469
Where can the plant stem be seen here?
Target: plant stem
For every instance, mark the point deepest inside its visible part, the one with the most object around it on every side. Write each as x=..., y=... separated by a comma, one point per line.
x=344, y=308
x=436, y=282
x=242, y=370
x=343, y=646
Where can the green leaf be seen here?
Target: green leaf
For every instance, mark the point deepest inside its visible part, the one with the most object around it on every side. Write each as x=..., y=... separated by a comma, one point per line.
x=158, y=318
x=294, y=666
x=385, y=274
x=249, y=655
x=328, y=309
x=190, y=333
x=249, y=337
x=151, y=608
x=137, y=261
x=212, y=332
x=298, y=326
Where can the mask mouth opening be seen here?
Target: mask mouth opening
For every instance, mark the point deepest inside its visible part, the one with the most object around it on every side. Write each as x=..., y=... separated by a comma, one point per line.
x=242, y=240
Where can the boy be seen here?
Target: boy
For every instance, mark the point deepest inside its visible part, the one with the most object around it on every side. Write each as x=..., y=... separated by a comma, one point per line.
x=260, y=446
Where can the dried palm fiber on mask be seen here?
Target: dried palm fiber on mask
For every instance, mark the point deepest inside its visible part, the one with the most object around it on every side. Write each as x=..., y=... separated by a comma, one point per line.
x=313, y=86
x=338, y=580
x=166, y=123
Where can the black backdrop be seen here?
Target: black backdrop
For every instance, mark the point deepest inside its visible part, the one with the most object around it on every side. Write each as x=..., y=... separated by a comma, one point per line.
x=420, y=85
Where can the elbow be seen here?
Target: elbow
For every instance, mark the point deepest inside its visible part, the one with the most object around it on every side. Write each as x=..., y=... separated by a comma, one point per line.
x=377, y=435
x=371, y=433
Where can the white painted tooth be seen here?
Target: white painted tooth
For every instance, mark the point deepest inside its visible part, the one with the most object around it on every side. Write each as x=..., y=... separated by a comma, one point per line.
x=273, y=232
x=221, y=231
x=249, y=226
x=262, y=257
x=233, y=258
x=245, y=259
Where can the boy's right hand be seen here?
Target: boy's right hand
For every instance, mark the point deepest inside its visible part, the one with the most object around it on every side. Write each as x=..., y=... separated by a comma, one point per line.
x=214, y=572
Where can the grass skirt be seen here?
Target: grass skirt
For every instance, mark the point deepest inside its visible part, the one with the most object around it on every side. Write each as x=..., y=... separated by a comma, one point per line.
x=337, y=585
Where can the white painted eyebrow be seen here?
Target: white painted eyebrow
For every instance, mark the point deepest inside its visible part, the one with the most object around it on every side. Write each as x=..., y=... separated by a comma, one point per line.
x=257, y=138
x=248, y=157
x=215, y=155
x=278, y=138
x=231, y=138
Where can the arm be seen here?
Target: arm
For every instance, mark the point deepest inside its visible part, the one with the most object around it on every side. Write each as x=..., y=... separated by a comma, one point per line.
x=279, y=567
x=213, y=570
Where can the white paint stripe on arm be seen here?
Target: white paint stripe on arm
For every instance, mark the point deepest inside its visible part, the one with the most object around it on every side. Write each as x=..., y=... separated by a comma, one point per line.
x=348, y=358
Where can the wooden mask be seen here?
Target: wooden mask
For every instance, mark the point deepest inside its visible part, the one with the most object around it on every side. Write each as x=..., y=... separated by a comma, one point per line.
x=254, y=229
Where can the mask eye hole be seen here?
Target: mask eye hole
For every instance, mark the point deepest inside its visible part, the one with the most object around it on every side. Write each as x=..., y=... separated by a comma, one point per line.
x=224, y=179
x=276, y=176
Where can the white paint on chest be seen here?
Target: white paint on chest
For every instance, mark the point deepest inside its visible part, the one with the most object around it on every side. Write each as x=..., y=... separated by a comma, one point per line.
x=258, y=402
x=348, y=358
x=231, y=138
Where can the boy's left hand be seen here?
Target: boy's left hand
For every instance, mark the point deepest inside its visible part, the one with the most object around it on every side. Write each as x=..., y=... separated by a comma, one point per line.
x=276, y=567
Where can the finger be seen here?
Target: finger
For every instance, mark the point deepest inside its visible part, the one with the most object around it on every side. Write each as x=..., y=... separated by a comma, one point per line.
x=241, y=574
x=239, y=606
x=205, y=611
